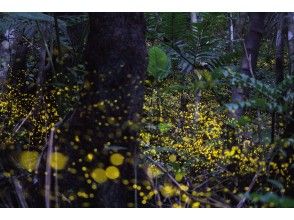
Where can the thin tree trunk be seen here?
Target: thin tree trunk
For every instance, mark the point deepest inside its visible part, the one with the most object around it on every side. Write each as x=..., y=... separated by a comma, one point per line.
x=194, y=17
x=251, y=47
x=231, y=31
x=291, y=41
x=197, y=96
x=290, y=123
x=279, y=53
x=240, y=25
x=279, y=68
x=287, y=156
x=6, y=48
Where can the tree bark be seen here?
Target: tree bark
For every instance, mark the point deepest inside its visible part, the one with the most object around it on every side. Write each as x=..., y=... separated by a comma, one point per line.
x=280, y=50
x=108, y=116
x=279, y=67
x=290, y=123
x=285, y=156
x=240, y=25
x=231, y=31
x=197, y=92
x=249, y=60
x=6, y=47
x=194, y=17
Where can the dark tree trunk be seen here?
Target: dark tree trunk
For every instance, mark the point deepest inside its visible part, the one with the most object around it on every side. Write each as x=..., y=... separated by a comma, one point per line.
x=281, y=32
x=231, y=31
x=279, y=68
x=284, y=154
x=290, y=123
x=240, y=25
x=252, y=44
x=291, y=41
x=111, y=101
x=289, y=129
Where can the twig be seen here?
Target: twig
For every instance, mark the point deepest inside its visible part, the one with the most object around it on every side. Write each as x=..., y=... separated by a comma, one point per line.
x=197, y=103
x=48, y=169
x=57, y=37
x=166, y=172
x=248, y=57
x=136, y=177
x=174, y=181
x=56, y=188
x=23, y=121
x=46, y=46
x=19, y=192
x=243, y=200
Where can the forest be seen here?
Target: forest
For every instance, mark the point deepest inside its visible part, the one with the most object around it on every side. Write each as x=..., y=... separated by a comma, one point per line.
x=147, y=110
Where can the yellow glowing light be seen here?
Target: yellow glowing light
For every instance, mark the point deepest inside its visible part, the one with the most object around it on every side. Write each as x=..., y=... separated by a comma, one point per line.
x=77, y=138
x=90, y=157
x=28, y=160
x=196, y=205
x=153, y=171
x=167, y=190
x=58, y=160
x=112, y=172
x=184, y=187
x=179, y=176
x=172, y=158
x=99, y=175
x=117, y=159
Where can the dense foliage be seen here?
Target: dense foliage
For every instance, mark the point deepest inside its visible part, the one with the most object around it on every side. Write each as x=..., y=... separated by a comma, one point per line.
x=196, y=151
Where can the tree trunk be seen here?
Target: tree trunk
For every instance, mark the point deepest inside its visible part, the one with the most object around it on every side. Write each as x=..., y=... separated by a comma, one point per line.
x=280, y=50
x=240, y=25
x=197, y=92
x=291, y=41
x=285, y=155
x=251, y=47
x=231, y=31
x=290, y=123
x=107, y=119
x=279, y=68
x=194, y=17
x=7, y=45
x=252, y=42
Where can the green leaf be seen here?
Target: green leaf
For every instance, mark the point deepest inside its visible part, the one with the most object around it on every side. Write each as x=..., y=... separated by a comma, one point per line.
x=276, y=183
x=270, y=197
x=261, y=103
x=244, y=120
x=164, y=127
x=159, y=63
x=207, y=76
